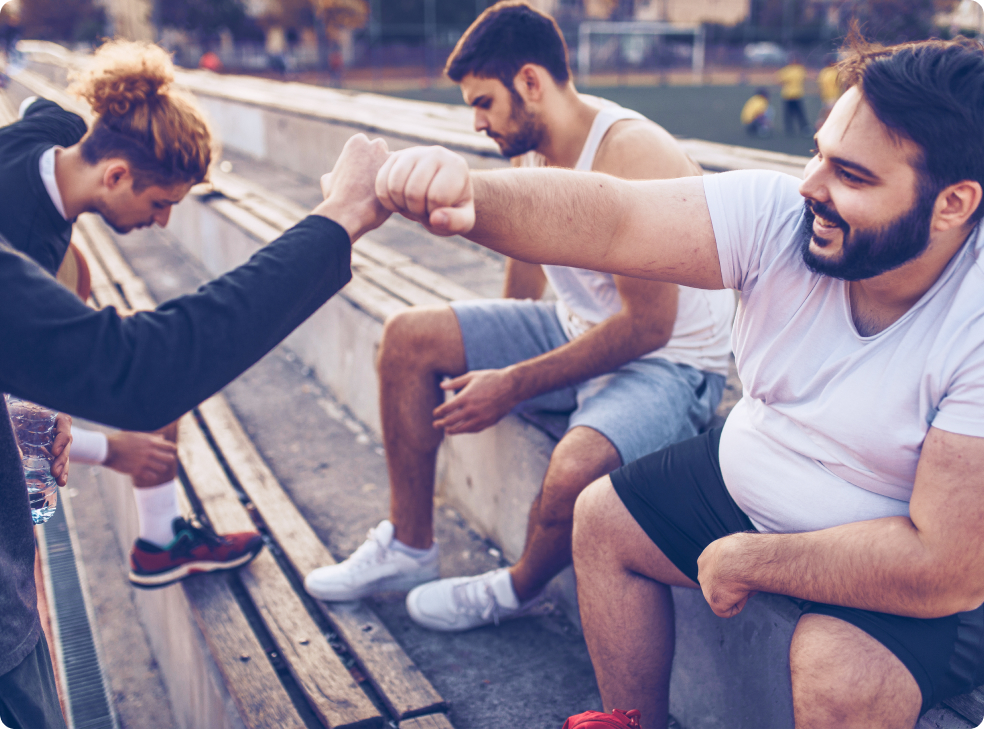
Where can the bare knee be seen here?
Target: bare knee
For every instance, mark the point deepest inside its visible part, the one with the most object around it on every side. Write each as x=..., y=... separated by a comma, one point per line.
x=422, y=337
x=842, y=677
x=592, y=519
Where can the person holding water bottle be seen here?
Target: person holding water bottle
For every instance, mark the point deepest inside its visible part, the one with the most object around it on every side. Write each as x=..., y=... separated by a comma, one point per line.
x=141, y=372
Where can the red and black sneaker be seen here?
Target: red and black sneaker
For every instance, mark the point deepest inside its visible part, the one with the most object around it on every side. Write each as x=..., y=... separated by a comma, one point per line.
x=194, y=549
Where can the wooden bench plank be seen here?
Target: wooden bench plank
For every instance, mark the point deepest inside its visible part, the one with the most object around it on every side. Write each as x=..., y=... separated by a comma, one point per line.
x=383, y=255
x=118, y=270
x=246, y=220
x=388, y=280
x=326, y=683
x=403, y=688
x=376, y=302
x=969, y=706
x=8, y=114
x=254, y=686
x=435, y=282
x=431, y=721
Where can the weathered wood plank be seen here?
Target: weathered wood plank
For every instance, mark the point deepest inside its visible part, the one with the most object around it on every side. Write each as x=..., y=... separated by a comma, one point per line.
x=403, y=688
x=431, y=721
x=254, y=686
x=401, y=287
x=443, y=287
x=368, y=297
x=969, y=706
x=383, y=255
x=246, y=220
x=327, y=684
x=8, y=114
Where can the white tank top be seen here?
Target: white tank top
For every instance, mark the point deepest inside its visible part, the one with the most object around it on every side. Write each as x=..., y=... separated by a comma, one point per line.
x=702, y=331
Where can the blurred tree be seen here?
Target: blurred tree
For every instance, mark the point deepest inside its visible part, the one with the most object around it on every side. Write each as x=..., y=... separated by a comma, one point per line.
x=62, y=20
x=404, y=19
x=341, y=14
x=205, y=18
x=894, y=21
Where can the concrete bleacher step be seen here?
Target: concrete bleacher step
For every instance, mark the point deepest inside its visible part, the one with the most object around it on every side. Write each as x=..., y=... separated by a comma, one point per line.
x=728, y=673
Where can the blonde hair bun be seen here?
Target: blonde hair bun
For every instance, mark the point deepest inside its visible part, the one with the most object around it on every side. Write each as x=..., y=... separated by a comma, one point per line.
x=123, y=75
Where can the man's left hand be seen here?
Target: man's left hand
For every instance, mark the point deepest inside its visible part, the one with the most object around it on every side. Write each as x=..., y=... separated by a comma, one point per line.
x=485, y=397
x=720, y=573
x=61, y=447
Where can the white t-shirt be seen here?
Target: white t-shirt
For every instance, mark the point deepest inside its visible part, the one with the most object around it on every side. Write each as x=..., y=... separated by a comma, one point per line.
x=702, y=328
x=831, y=425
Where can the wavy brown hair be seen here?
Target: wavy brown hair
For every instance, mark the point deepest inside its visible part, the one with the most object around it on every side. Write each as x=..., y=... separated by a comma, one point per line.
x=141, y=118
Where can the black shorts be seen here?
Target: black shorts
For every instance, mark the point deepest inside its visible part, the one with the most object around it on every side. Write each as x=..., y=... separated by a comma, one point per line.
x=678, y=496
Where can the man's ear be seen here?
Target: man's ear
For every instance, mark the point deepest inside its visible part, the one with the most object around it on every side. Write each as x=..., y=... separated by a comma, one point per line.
x=529, y=83
x=956, y=204
x=117, y=171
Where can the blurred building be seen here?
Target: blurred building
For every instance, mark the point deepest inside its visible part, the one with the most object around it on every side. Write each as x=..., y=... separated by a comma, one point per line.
x=718, y=12
x=130, y=19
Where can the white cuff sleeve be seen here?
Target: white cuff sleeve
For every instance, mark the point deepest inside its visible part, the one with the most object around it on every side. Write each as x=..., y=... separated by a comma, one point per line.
x=25, y=105
x=89, y=446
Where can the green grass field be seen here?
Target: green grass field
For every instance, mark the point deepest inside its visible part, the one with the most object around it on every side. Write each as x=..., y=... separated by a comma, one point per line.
x=700, y=112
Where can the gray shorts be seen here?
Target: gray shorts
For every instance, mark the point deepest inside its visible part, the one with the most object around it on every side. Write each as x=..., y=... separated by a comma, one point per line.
x=641, y=407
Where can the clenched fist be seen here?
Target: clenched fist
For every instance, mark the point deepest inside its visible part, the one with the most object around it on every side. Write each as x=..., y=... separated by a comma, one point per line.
x=431, y=185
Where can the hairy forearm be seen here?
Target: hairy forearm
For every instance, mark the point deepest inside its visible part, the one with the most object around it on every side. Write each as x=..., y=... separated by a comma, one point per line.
x=885, y=565
x=603, y=348
x=547, y=216
x=658, y=229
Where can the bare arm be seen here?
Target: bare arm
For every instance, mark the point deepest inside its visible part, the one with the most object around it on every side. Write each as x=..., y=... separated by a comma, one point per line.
x=659, y=230
x=523, y=280
x=926, y=566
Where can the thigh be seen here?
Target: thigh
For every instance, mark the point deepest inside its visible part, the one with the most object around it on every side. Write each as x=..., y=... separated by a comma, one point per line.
x=28, y=696
x=497, y=333
x=843, y=676
x=647, y=405
x=945, y=656
x=678, y=497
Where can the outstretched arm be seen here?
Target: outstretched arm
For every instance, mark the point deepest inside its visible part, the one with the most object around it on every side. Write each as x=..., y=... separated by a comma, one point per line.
x=659, y=230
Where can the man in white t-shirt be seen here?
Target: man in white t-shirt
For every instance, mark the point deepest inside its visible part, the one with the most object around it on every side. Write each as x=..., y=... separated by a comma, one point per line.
x=849, y=476
x=636, y=364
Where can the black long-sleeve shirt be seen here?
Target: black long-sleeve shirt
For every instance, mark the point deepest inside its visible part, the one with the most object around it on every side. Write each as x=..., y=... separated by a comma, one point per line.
x=29, y=219
x=138, y=372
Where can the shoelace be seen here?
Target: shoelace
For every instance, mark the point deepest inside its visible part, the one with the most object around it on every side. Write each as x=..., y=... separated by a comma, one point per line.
x=370, y=550
x=197, y=533
x=476, y=597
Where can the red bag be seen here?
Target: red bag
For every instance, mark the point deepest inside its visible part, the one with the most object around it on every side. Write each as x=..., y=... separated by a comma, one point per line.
x=599, y=720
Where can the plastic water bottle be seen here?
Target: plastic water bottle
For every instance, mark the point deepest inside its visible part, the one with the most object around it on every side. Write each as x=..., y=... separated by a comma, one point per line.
x=34, y=427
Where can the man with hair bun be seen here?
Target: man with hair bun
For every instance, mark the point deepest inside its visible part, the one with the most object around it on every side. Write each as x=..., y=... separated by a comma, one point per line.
x=849, y=475
x=141, y=372
x=636, y=365
x=147, y=147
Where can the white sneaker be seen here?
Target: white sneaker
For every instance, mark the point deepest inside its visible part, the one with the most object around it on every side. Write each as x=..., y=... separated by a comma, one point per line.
x=374, y=567
x=463, y=603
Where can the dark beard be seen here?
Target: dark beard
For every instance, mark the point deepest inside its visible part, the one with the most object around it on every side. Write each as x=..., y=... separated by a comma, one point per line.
x=528, y=135
x=869, y=253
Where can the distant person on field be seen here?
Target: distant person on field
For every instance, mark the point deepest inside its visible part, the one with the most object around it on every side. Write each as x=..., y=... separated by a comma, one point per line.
x=792, y=78
x=830, y=90
x=210, y=61
x=756, y=115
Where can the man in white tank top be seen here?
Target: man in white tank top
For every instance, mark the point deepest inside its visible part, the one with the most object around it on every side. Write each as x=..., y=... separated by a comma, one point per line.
x=637, y=364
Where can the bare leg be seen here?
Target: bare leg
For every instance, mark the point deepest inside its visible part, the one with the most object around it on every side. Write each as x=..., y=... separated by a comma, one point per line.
x=419, y=347
x=842, y=677
x=580, y=457
x=626, y=607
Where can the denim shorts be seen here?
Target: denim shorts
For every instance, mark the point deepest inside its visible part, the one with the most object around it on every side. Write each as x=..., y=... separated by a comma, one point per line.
x=641, y=407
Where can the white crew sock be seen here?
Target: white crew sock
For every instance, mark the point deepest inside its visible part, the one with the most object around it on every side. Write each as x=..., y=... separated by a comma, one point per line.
x=157, y=508
x=414, y=552
x=502, y=588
